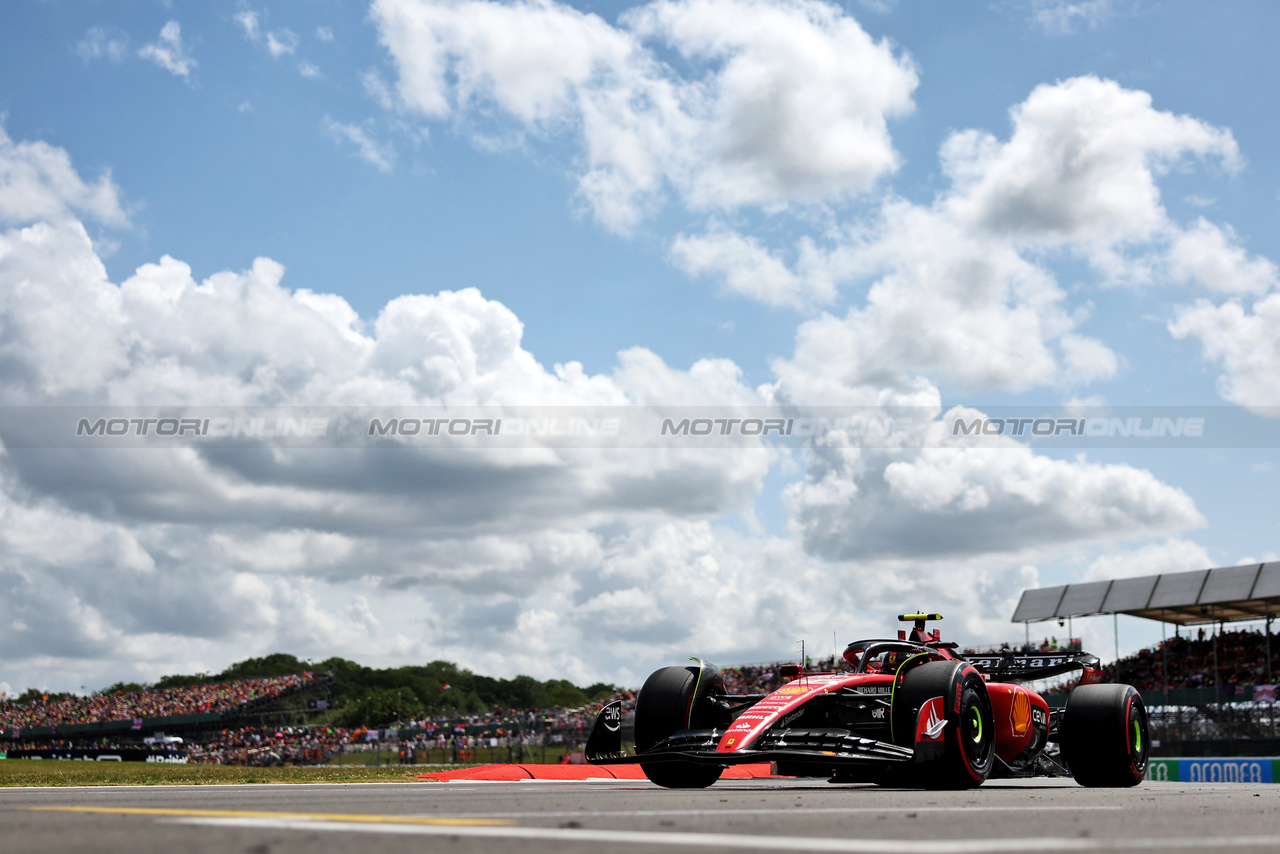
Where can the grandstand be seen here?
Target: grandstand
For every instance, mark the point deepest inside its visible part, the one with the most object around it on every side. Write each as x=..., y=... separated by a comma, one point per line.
x=217, y=718
x=112, y=714
x=1213, y=693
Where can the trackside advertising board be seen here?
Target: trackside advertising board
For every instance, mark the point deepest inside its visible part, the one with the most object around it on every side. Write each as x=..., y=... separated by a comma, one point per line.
x=1234, y=769
x=125, y=754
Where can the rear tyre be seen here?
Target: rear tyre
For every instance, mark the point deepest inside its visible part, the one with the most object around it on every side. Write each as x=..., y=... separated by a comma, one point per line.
x=966, y=753
x=1104, y=736
x=668, y=703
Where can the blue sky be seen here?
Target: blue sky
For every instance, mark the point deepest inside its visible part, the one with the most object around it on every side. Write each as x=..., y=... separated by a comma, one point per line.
x=696, y=209
x=234, y=162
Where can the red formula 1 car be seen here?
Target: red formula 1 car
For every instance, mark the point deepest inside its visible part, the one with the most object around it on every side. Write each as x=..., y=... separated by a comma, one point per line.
x=907, y=712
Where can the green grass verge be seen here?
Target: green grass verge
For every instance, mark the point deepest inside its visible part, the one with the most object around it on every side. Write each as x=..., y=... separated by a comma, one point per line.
x=479, y=756
x=65, y=772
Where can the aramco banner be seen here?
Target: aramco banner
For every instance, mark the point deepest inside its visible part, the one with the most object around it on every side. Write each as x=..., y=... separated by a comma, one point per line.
x=1234, y=769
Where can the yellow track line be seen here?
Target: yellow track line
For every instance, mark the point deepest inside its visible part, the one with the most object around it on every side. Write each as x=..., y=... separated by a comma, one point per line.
x=305, y=816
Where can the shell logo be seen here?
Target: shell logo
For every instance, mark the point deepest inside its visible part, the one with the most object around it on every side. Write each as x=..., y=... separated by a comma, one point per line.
x=1020, y=712
x=791, y=691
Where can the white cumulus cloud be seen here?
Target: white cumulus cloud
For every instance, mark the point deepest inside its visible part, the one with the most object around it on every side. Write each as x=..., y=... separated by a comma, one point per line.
x=857, y=503
x=282, y=43
x=1064, y=16
x=782, y=101
x=1081, y=165
x=169, y=52
x=1171, y=555
x=1244, y=342
x=380, y=155
x=747, y=268
x=278, y=43
x=38, y=182
x=951, y=304
x=1210, y=256
x=103, y=43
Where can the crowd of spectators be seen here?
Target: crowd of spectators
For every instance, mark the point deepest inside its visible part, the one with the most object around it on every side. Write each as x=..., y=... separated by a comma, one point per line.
x=273, y=746
x=502, y=721
x=220, y=697
x=1241, y=662
x=751, y=679
x=763, y=678
x=1241, y=658
x=1048, y=645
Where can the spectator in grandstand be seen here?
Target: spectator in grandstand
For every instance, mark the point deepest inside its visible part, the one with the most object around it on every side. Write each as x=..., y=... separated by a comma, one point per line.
x=1241, y=657
x=272, y=746
x=220, y=697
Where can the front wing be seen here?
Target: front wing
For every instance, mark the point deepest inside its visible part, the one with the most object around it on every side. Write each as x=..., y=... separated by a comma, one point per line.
x=829, y=746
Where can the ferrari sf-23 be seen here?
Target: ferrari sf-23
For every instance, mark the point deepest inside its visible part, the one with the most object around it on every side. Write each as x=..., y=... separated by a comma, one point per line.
x=906, y=712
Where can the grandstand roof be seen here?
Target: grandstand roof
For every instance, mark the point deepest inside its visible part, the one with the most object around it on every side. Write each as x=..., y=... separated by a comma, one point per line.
x=1200, y=596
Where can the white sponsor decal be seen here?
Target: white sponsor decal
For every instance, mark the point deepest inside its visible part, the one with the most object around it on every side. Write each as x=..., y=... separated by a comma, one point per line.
x=612, y=717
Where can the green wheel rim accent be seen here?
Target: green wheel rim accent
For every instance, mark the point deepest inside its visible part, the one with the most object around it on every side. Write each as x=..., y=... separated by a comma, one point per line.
x=688, y=718
x=1137, y=737
x=977, y=725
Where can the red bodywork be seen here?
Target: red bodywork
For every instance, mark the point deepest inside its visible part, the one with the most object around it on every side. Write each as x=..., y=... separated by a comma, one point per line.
x=1019, y=713
x=789, y=698
x=1021, y=716
x=859, y=724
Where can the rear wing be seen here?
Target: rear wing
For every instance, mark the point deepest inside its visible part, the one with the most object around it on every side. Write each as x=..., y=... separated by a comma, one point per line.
x=1011, y=667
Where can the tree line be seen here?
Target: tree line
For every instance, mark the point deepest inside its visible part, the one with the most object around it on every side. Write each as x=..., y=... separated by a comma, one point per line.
x=363, y=696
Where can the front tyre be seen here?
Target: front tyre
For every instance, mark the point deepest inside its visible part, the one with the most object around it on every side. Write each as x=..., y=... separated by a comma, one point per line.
x=952, y=696
x=1105, y=736
x=667, y=704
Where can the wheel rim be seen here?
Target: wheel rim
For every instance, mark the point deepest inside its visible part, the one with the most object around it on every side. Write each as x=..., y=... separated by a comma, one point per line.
x=976, y=742
x=1137, y=744
x=975, y=725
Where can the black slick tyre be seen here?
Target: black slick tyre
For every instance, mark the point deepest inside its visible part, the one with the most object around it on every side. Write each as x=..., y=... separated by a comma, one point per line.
x=666, y=705
x=964, y=755
x=1104, y=736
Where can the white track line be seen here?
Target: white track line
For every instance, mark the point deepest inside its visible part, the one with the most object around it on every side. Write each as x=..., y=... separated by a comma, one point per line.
x=778, y=811
x=745, y=842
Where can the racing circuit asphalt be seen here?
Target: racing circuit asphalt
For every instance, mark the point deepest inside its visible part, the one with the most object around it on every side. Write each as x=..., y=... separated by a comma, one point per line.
x=629, y=816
